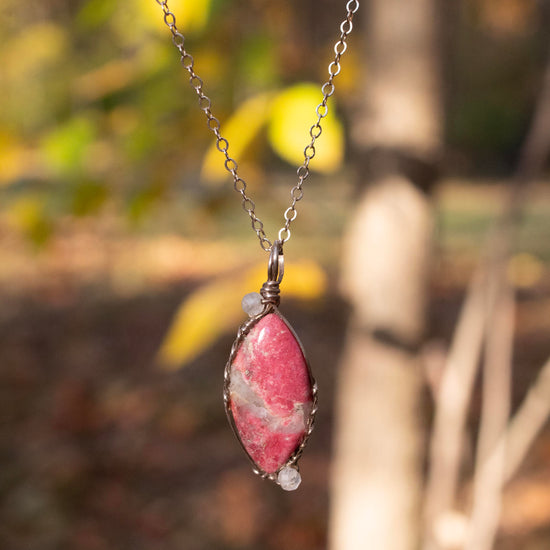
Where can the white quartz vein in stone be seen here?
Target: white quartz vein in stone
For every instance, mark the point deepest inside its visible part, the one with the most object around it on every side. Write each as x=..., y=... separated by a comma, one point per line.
x=244, y=396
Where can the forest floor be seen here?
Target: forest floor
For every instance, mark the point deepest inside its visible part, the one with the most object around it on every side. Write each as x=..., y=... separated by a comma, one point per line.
x=101, y=448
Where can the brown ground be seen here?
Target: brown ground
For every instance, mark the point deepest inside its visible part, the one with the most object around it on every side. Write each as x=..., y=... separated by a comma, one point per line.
x=101, y=449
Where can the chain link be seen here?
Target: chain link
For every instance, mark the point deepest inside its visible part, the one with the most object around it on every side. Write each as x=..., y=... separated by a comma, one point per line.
x=327, y=89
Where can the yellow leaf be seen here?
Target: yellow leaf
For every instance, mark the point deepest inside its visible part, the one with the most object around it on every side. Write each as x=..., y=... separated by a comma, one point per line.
x=215, y=309
x=33, y=49
x=191, y=16
x=200, y=320
x=239, y=130
x=111, y=77
x=525, y=270
x=304, y=280
x=194, y=15
x=292, y=115
x=28, y=215
x=18, y=161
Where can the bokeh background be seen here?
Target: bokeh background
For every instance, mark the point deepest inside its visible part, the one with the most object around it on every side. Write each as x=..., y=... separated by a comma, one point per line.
x=115, y=211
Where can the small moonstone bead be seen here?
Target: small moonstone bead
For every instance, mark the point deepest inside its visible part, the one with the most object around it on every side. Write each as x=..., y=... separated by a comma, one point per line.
x=289, y=478
x=252, y=304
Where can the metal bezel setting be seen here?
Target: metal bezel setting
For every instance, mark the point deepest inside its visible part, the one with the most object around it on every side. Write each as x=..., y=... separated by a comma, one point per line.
x=243, y=331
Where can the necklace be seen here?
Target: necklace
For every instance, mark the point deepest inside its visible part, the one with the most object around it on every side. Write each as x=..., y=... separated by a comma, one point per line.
x=269, y=393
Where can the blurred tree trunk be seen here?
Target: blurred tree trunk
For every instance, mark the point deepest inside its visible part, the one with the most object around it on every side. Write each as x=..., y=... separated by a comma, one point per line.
x=379, y=442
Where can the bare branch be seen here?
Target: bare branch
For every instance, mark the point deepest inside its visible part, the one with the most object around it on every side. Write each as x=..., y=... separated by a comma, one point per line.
x=505, y=459
x=460, y=369
x=527, y=422
x=451, y=408
x=497, y=371
x=492, y=465
x=525, y=425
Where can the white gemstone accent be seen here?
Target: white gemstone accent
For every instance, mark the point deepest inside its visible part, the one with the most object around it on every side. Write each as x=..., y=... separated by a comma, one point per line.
x=289, y=478
x=252, y=304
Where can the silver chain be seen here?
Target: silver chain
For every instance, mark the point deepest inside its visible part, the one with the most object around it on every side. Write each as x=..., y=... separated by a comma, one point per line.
x=222, y=144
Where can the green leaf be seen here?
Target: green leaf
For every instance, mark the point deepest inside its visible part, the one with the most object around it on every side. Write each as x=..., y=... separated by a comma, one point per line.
x=65, y=147
x=144, y=200
x=87, y=198
x=28, y=214
x=95, y=13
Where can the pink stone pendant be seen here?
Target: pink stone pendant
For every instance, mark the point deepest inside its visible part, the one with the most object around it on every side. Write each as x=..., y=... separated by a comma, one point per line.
x=270, y=395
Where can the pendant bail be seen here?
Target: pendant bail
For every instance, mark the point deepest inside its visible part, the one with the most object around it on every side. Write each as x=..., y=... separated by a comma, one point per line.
x=276, y=265
x=275, y=271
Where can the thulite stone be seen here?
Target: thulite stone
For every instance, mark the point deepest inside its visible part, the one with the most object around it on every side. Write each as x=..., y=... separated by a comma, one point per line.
x=270, y=393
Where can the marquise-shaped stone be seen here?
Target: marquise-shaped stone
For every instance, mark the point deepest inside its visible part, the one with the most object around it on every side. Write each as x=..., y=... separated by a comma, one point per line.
x=270, y=393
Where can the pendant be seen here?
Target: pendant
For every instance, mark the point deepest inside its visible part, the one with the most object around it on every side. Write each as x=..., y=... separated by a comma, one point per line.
x=270, y=395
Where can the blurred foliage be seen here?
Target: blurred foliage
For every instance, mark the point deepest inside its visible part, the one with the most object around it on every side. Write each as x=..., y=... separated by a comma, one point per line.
x=507, y=16
x=213, y=310
x=29, y=215
x=291, y=118
x=97, y=114
x=97, y=109
x=288, y=114
x=240, y=130
x=525, y=270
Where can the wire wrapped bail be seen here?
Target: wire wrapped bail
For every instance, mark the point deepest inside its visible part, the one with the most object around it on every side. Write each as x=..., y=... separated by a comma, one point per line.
x=275, y=270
